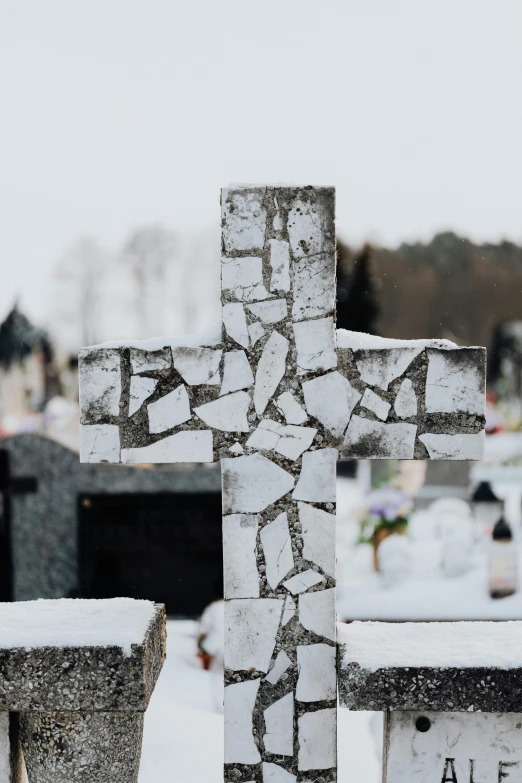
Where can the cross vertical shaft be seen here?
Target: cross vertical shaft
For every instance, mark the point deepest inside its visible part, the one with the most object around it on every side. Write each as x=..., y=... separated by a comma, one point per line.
x=278, y=293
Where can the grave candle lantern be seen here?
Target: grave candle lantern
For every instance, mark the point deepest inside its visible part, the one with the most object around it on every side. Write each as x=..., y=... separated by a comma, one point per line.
x=487, y=509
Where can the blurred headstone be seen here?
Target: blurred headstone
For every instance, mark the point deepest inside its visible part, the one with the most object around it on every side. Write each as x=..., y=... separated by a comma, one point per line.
x=128, y=531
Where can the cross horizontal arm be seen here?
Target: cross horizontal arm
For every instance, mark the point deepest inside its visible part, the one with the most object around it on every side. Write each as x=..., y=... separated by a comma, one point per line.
x=155, y=401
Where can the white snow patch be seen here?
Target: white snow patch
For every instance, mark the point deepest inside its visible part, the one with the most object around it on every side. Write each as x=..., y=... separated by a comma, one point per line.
x=360, y=340
x=209, y=337
x=460, y=645
x=75, y=622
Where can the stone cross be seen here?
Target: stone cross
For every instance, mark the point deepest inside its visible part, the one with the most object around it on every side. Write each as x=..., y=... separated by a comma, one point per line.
x=277, y=395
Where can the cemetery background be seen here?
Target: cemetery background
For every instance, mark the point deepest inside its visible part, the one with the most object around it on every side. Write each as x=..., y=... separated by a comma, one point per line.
x=88, y=299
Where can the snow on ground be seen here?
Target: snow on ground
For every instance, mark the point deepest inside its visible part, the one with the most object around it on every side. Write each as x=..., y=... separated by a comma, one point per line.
x=183, y=739
x=426, y=594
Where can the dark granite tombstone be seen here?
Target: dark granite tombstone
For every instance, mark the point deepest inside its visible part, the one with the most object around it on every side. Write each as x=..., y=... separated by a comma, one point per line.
x=105, y=530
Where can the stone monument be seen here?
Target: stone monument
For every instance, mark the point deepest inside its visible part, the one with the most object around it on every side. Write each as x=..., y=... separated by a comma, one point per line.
x=75, y=680
x=277, y=395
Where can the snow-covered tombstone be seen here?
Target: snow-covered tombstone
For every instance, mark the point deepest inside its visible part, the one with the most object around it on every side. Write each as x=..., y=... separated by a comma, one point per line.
x=450, y=693
x=75, y=681
x=276, y=394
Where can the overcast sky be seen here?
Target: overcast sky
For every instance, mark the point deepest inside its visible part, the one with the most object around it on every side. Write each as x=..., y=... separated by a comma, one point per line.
x=116, y=113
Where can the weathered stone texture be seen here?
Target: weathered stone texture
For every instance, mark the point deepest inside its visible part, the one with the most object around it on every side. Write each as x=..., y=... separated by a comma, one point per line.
x=265, y=633
x=83, y=678
x=76, y=713
x=93, y=747
x=279, y=369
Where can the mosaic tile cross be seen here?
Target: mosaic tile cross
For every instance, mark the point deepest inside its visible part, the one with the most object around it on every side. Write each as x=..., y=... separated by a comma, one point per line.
x=278, y=395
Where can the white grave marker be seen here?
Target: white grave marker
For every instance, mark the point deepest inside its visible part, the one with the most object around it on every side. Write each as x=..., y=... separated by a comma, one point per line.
x=451, y=692
x=277, y=395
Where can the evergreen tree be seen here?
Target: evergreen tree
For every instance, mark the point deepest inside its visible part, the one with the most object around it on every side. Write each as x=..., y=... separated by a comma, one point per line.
x=357, y=307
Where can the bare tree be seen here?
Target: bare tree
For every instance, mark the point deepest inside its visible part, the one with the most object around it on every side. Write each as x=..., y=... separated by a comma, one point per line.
x=148, y=255
x=78, y=283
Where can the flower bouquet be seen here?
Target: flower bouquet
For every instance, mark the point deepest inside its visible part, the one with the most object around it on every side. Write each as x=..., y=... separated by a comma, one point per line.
x=387, y=511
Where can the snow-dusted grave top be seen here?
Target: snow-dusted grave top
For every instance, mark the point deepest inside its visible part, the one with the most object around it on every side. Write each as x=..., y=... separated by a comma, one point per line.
x=75, y=654
x=460, y=666
x=75, y=622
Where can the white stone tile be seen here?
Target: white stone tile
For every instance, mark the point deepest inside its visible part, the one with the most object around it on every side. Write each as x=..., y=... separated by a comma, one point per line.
x=240, y=700
x=169, y=411
x=99, y=443
x=295, y=440
x=273, y=773
x=270, y=370
x=100, y=384
x=317, y=480
x=454, y=383
x=255, y=332
x=288, y=440
x=243, y=278
x=241, y=577
x=266, y=436
x=277, y=548
x=185, y=446
x=289, y=610
x=306, y=230
x=318, y=530
x=270, y=312
x=380, y=367
x=315, y=345
x=237, y=373
x=303, y=581
x=367, y=439
x=251, y=484
x=150, y=361
x=140, y=389
x=250, y=632
x=237, y=448
x=279, y=724
x=317, y=612
x=458, y=447
x=405, y=404
x=280, y=263
x=281, y=664
x=198, y=365
x=331, y=399
x=317, y=673
x=317, y=732
x=375, y=404
x=288, y=406
x=228, y=414
x=244, y=218
x=234, y=319
x=314, y=286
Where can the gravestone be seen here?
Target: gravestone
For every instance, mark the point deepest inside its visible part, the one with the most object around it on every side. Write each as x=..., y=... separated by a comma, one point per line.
x=58, y=542
x=276, y=395
x=10, y=486
x=451, y=694
x=75, y=680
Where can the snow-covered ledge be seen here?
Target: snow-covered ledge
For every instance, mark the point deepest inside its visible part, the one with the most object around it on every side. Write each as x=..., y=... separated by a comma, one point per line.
x=434, y=667
x=76, y=677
